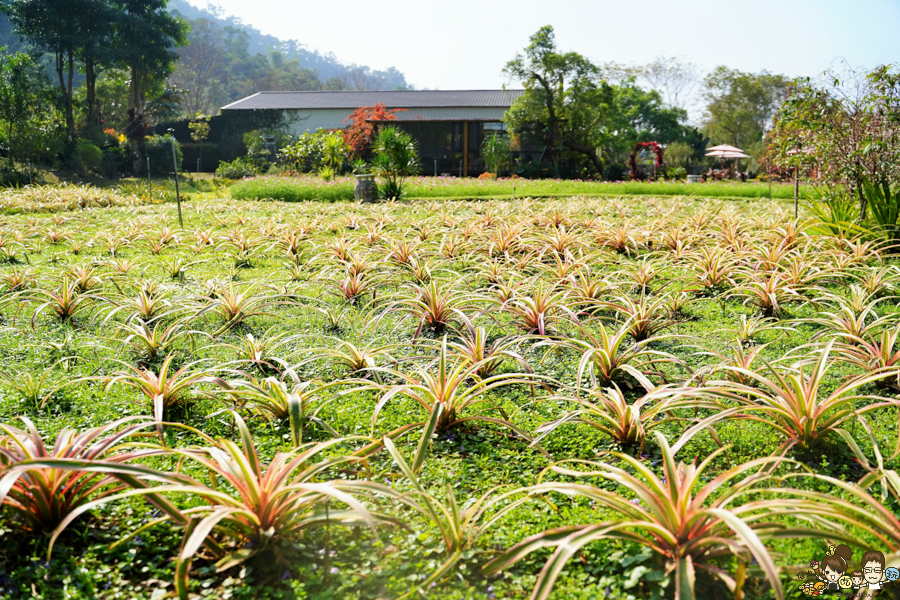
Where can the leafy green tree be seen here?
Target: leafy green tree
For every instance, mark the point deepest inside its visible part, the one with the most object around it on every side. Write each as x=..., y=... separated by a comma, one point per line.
x=740, y=105
x=570, y=106
x=146, y=35
x=637, y=115
x=61, y=28
x=846, y=124
x=562, y=95
x=24, y=95
x=95, y=51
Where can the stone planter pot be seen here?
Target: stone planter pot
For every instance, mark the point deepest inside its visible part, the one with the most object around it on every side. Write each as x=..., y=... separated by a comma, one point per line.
x=366, y=189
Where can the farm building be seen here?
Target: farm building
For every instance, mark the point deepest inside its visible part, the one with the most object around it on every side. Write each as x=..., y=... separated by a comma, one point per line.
x=449, y=125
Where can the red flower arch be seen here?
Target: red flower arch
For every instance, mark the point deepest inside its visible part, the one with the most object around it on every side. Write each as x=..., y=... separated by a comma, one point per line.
x=632, y=158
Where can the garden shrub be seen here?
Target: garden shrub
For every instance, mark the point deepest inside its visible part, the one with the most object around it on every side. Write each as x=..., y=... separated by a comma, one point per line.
x=10, y=177
x=313, y=151
x=116, y=159
x=89, y=155
x=159, y=149
x=236, y=169
x=495, y=153
x=532, y=171
x=615, y=172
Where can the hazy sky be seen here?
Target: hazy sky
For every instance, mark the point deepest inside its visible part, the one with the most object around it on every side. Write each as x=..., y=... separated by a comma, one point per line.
x=463, y=44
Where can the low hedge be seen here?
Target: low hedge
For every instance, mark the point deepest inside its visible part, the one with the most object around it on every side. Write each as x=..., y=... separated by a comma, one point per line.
x=311, y=187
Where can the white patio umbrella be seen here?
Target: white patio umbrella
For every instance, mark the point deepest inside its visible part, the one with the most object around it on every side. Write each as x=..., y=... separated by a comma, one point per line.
x=725, y=151
x=728, y=154
x=723, y=147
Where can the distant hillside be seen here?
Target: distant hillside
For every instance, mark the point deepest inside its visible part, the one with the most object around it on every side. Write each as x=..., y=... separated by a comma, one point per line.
x=326, y=66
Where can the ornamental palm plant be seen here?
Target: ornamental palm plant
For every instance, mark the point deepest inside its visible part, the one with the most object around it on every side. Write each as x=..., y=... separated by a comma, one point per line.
x=286, y=399
x=608, y=357
x=460, y=527
x=445, y=394
x=690, y=520
x=540, y=311
x=794, y=403
x=626, y=422
x=42, y=496
x=874, y=353
x=164, y=389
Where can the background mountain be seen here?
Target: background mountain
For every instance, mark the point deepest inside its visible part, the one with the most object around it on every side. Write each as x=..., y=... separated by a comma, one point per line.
x=228, y=59
x=225, y=61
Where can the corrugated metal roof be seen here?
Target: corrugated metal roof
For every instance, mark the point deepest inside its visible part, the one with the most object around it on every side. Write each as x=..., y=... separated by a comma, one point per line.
x=391, y=99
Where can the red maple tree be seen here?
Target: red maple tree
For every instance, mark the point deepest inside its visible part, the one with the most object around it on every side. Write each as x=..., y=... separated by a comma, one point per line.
x=361, y=133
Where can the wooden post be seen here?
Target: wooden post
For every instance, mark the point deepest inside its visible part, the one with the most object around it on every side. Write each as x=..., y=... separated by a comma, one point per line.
x=465, y=148
x=796, y=191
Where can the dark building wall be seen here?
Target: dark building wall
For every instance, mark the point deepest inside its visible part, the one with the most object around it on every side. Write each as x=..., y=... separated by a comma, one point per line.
x=441, y=145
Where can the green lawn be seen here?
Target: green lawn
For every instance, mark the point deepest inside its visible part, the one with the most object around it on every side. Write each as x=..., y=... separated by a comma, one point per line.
x=309, y=187
x=306, y=279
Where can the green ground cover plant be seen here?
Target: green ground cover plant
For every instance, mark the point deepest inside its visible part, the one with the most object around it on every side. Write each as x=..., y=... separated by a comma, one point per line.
x=535, y=398
x=310, y=187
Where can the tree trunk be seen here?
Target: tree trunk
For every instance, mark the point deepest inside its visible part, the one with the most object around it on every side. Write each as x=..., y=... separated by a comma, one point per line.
x=10, y=138
x=863, y=204
x=588, y=151
x=136, y=101
x=67, y=94
x=70, y=105
x=90, y=84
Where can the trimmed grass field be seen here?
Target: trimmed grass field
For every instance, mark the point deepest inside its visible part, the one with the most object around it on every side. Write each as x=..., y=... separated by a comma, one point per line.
x=311, y=187
x=471, y=333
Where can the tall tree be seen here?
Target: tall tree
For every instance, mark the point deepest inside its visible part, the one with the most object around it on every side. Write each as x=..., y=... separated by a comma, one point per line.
x=58, y=27
x=146, y=36
x=94, y=51
x=200, y=68
x=847, y=125
x=741, y=105
x=23, y=88
x=561, y=92
x=674, y=79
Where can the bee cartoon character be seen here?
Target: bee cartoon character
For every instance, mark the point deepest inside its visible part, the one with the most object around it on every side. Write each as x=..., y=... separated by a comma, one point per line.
x=873, y=569
x=834, y=566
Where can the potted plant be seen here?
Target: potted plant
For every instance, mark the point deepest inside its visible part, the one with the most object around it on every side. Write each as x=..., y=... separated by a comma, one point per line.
x=366, y=189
